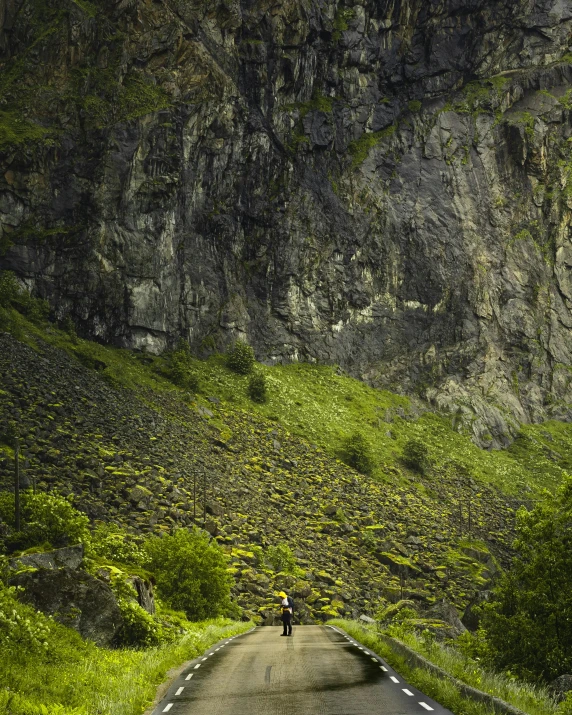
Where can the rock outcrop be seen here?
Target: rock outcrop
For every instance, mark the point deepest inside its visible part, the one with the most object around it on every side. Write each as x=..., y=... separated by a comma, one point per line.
x=381, y=184
x=70, y=557
x=75, y=599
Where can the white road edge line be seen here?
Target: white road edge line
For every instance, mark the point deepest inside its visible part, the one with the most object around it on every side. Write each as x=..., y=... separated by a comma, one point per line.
x=169, y=706
x=392, y=677
x=189, y=676
x=407, y=692
x=180, y=690
x=424, y=705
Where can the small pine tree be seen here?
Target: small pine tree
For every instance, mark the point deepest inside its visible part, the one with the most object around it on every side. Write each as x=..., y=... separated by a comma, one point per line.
x=182, y=372
x=257, y=388
x=240, y=358
x=357, y=453
x=416, y=455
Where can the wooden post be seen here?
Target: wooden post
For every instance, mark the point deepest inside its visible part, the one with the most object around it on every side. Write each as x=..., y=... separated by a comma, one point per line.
x=17, y=509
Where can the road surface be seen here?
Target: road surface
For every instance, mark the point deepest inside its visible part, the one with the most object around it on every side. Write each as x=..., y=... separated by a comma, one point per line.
x=317, y=671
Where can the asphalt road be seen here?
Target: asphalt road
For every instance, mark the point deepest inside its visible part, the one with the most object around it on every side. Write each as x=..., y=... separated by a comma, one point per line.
x=317, y=671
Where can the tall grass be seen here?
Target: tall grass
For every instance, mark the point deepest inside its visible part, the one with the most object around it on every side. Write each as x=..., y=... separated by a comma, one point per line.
x=524, y=696
x=86, y=680
x=531, y=698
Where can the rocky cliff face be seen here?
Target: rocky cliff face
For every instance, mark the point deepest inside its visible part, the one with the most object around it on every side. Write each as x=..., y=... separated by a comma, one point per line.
x=378, y=183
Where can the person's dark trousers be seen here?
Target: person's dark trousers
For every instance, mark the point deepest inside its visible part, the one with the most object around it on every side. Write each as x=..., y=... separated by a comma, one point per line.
x=287, y=621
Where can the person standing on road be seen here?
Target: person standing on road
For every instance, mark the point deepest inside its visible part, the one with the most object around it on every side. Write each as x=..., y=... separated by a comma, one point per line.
x=287, y=612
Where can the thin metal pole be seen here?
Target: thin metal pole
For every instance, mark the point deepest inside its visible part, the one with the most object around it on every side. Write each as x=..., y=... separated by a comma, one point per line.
x=469, y=517
x=204, y=498
x=194, y=496
x=17, y=483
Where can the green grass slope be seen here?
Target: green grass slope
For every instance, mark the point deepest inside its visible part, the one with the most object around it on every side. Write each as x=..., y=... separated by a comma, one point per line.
x=108, y=428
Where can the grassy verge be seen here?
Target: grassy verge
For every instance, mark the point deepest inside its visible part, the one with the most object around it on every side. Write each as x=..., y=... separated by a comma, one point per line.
x=531, y=699
x=67, y=676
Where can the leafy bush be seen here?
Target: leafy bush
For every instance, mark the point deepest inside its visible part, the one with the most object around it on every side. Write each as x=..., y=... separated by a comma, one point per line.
x=357, y=453
x=281, y=558
x=257, y=389
x=240, y=358
x=111, y=542
x=191, y=573
x=416, y=455
x=46, y=518
x=17, y=630
x=182, y=372
x=529, y=622
x=139, y=628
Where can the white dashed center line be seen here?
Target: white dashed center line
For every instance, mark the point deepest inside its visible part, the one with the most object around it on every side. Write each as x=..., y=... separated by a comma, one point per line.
x=424, y=705
x=407, y=692
x=179, y=691
x=394, y=678
x=374, y=660
x=169, y=706
x=204, y=660
x=189, y=676
x=197, y=666
x=383, y=668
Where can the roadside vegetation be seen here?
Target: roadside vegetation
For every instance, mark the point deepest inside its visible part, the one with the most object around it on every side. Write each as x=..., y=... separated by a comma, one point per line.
x=523, y=641
x=533, y=700
x=48, y=669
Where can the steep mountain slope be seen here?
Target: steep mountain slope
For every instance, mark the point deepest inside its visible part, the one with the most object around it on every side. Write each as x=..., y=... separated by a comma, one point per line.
x=379, y=184
x=142, y=458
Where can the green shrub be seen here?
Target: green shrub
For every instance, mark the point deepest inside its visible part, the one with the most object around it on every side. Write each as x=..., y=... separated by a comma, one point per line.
x=139, y=628
x=240, y=358
x=415, y=106
x=111, y=542
x=529, y=621
x=281, y=558
x=357, y=453
x=46, y=518
x=191, y=573
x=12, y=295
x=416, y=455
x=17, y=630
x=182, y=372
x=257, y=388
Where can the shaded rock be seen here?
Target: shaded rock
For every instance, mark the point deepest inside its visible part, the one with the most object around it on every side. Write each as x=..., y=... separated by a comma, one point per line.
x=560, y=687
x=75, y=599
x=70, y=557
x=471, y=618
x=214, y=508
x=447, y=613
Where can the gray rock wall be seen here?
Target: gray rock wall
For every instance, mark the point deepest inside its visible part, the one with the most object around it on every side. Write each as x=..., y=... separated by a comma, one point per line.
x=383, y=185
